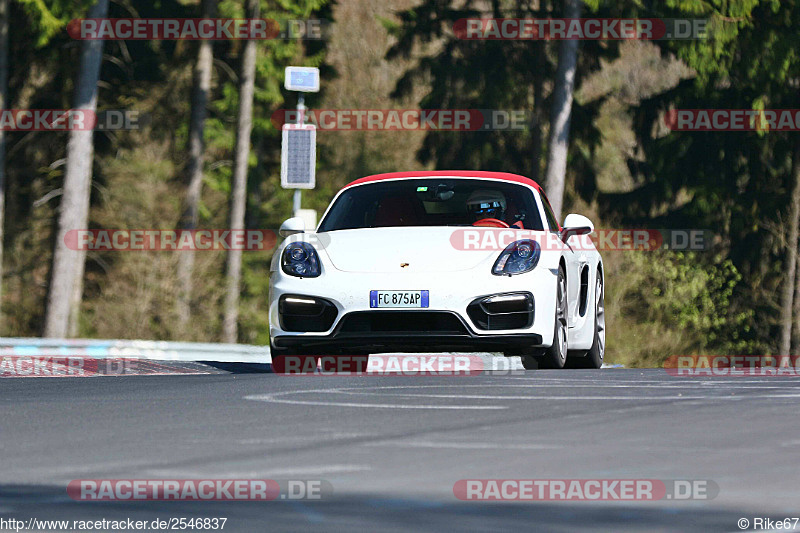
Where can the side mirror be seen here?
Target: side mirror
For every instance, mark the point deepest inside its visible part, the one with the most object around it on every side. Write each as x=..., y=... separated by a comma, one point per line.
x=292, y=226
x=576, y=224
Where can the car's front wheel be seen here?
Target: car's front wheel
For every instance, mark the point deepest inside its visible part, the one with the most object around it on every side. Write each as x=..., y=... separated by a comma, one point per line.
x=594, y=357
x=556, y=355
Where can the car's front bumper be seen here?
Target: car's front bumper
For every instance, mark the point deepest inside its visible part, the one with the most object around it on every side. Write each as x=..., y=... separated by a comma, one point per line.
x=455, y=337
x=451, y=294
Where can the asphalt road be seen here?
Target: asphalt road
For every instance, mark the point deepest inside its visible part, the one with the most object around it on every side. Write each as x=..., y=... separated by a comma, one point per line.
x=393, y=447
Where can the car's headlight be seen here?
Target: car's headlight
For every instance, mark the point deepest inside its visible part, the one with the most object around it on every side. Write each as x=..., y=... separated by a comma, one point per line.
x=518, y=257
x=300, y=259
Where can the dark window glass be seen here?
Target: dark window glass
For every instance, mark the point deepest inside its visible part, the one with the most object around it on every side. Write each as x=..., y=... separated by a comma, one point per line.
x=432, y=202
x=548, y=213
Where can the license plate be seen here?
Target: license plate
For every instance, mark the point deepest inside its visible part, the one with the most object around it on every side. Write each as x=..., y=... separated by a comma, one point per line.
x=398, y=299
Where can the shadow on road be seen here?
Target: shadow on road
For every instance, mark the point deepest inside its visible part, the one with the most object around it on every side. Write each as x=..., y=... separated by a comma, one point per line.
x=240, y=368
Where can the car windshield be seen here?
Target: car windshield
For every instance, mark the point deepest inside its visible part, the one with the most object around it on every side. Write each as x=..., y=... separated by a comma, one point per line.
x=432, y=202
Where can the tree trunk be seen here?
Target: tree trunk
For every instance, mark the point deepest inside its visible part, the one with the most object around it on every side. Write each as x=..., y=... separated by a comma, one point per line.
x=538, y=114
x=239, y=189
x=4, y=7
x=791, y=258
x=796, y=330
x=561, y=112
x=201, y=88
x=66, y=279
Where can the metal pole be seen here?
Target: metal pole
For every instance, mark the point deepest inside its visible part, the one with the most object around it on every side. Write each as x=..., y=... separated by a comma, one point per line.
x=301, y=108
x=301, y=118
x=297, y=198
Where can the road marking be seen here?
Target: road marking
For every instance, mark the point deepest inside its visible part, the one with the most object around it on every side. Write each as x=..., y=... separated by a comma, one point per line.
x=574, y=397
x=545, y=385
x=273, y=398
x=379, y=390
x=690, y=381
x=364, y=390
x=462, y=445
x=229, y=472
x=318, y=470
x=280, y=397
x=651, y=377
x=531, y=397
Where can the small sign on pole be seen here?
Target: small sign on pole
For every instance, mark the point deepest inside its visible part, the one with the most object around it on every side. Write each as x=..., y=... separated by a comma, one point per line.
x=302, y=79
x=299, y=141
x=298, y=156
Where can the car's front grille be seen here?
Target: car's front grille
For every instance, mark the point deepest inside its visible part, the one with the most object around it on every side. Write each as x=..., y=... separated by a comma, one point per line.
x=514, y=313
x=401, y=322
x=489, y=322
x=306, y=314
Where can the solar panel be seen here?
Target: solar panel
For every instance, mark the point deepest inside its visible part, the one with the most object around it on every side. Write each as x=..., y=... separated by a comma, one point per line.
x=298, y=156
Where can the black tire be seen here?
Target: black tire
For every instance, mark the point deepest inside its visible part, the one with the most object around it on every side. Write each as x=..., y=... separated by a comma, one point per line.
x=529, y=356
x=556, y=355
x=529, y=362
x=594, y=357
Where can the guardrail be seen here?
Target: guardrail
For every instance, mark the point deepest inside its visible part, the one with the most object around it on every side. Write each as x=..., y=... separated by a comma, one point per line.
x=157, y=350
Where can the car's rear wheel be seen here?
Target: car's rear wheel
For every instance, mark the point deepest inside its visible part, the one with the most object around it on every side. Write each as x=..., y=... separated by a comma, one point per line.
x=594, y=357
x=556, y=355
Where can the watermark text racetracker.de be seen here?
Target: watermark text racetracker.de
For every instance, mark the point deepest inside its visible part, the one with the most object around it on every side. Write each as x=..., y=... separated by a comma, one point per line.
x=560, y=29
x=393, y=365
x=762, y=120
x=108, y=490
x=461, y=120
x=644, y=240
x=65, y=366
x=466, y=239
x=26, y=120
x=705, y=366
x=196, y=29
x=170, y=240
x=59, y=366
x=584, y=489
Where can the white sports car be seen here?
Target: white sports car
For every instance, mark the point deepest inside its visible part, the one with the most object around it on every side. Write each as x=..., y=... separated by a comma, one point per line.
x=440, y=261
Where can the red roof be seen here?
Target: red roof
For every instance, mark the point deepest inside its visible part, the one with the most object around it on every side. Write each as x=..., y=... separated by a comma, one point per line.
x=505, y=176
